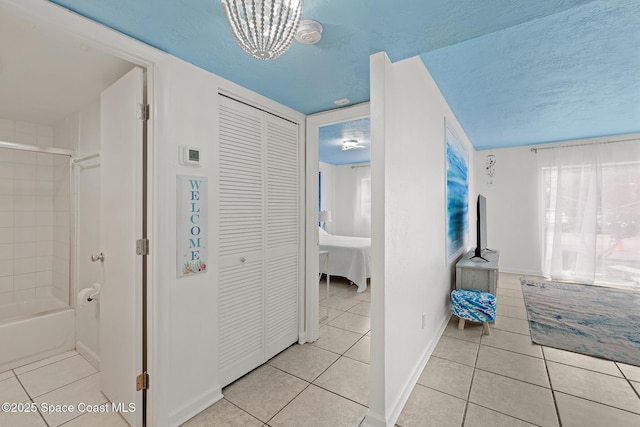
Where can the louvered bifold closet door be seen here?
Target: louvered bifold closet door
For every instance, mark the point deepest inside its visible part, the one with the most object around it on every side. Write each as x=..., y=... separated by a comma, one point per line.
x=241, y=239
x=283, y=234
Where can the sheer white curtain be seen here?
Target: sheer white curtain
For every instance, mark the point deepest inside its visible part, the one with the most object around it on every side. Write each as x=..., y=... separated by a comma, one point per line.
x=352, y=206
x=362, y=210
x=591, y=212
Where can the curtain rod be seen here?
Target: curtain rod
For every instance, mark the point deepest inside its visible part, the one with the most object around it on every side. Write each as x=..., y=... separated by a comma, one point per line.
x=36, y=148
x=535, y=150
x=77, y=160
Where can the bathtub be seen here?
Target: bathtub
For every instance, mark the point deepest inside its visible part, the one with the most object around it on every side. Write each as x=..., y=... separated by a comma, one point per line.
x=33, y=330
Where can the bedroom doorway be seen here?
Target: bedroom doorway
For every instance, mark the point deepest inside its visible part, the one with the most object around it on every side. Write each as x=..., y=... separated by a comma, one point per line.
x=338, y=206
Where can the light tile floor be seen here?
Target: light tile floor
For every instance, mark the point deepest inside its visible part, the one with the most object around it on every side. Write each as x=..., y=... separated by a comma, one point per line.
x=471, y=380
x=59, y=382
x=503, y=379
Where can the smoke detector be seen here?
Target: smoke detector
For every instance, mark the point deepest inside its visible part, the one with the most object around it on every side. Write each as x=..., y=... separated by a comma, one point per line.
x=309, y=31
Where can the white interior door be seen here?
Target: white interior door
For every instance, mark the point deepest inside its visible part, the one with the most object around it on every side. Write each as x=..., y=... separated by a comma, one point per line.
x=120, y=226
x=241, y=239
x=283, y=234
x=259, y=237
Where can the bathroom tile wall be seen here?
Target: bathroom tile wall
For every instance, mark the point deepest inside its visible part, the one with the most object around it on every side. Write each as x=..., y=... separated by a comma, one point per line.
x=26, y=133
x=30, y=201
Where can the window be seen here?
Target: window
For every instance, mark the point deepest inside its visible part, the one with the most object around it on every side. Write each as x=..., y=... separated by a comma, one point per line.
x=591, y=215
x=365, y=197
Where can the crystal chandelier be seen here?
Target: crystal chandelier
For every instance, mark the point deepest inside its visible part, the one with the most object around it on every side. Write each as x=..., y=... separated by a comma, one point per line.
x=263, y=28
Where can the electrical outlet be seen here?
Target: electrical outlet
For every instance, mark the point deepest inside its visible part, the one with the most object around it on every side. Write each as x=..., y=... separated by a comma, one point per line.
x=424, y=320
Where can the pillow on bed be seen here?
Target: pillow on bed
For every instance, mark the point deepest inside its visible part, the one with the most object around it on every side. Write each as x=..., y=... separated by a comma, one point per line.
x=322, y=231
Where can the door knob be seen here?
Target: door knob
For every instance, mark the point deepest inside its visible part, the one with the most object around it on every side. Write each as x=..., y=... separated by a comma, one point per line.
x=95, y=258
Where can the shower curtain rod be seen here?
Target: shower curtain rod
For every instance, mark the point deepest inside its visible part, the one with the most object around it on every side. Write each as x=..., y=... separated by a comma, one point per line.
x=35, y=148
x=84, y=158
x=535, y=150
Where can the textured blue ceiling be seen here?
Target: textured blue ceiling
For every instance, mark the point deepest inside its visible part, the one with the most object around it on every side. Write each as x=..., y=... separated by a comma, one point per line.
x=575, y=74
x=330, y=142
x=495, y=60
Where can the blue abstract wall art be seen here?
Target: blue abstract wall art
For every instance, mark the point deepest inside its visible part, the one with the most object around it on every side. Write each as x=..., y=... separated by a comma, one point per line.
x=457, y=195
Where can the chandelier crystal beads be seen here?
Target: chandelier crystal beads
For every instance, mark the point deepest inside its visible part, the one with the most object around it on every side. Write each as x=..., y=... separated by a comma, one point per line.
x=263, y=28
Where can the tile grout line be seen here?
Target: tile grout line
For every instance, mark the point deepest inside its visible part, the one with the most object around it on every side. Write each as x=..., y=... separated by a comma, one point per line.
x=637, y=392
x=309, y=384
x=514, y=379
x=482, y=406
x=71, y=419
x=447, y=393
x=47, y=364
x=553, y=394
x=473, y=374
x=623, y=377
x=499, y=348
x=281, y=409
x=224, y=398
x=68, y=384
x=597, y=402
x=31, y=399
x=340, y=396
x=341, y=356
x=352, y=358
x=313, y=381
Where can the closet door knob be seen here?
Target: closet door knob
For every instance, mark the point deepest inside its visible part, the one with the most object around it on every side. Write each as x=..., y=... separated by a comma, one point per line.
x=243, y=259
x=95, y=258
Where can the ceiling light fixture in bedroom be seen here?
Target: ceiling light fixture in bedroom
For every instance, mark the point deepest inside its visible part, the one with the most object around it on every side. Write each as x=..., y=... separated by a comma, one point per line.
x=263, y=28
x=350, y=144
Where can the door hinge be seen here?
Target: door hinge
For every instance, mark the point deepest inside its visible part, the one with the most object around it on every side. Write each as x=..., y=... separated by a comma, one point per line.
x=142, y=381
x=143, y=111
x=142, y=247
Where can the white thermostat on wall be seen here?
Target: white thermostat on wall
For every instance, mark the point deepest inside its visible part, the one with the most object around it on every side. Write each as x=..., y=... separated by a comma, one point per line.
x=189, y=156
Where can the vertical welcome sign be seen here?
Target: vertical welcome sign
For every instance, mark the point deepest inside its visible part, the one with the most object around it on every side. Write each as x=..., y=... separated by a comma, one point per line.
x=192, y=227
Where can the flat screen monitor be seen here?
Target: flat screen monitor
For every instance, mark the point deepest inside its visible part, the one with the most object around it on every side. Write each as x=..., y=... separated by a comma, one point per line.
x=481, y=226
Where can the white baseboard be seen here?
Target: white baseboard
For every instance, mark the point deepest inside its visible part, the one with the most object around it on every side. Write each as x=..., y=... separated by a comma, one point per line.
x=376, y=420
x=88, y=354
x=194, y=407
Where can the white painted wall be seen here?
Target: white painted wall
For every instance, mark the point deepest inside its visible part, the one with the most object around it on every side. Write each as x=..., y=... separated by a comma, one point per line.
x=187, y=379
x=410, y=275
x=512, y=209
x=187, y=323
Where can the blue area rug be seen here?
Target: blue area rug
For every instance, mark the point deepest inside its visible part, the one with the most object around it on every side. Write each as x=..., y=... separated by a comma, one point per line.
x=592, y=320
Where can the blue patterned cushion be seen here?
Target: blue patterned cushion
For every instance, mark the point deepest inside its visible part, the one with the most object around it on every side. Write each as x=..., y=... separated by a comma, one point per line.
x=472, y=304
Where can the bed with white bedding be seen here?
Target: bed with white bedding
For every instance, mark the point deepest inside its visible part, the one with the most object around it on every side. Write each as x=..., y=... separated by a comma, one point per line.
x=349, y=257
